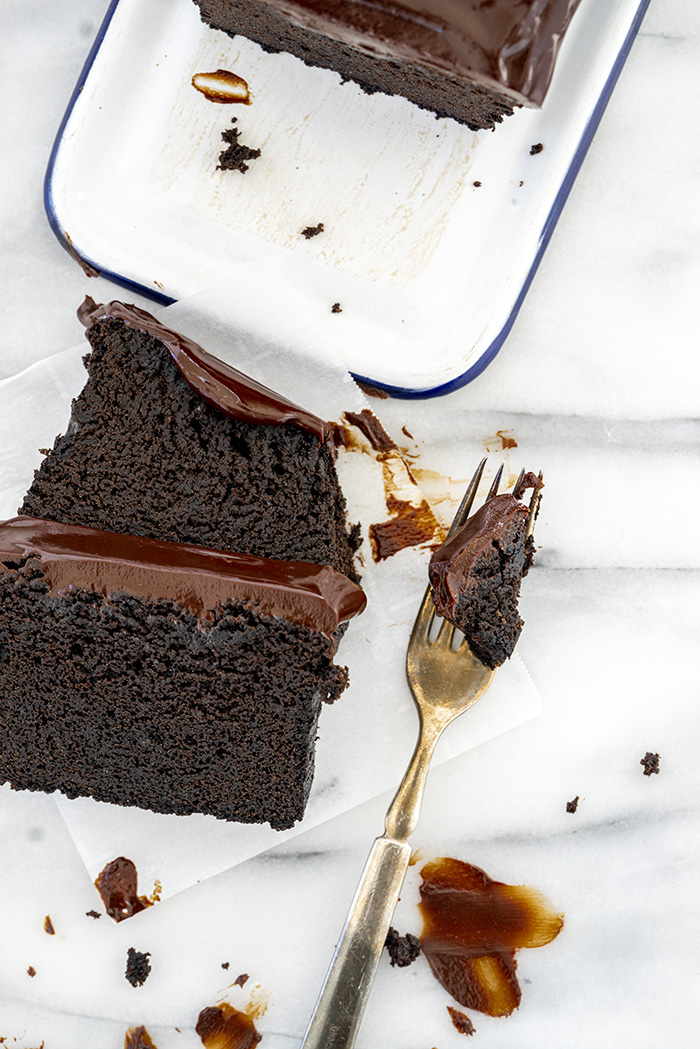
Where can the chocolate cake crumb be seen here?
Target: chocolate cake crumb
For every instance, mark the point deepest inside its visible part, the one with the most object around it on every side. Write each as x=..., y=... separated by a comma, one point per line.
x=312, y=231
x=138, y=967
x=477, y=184
x=31, y=971
x=336, y=308
x=92, y=914
x=571, y=806
x=225, y=965
x=402, y=949
x=461, y=1022
x=240, y=980
x=536, y=148
x=234, y=157
x=48, y=926
x=651, y=763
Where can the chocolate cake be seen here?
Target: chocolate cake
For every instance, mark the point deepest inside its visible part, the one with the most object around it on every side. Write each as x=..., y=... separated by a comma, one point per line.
x=174, y=589
x=472, y=60
x=168, y=442
x=172, y=677
x=475, y=575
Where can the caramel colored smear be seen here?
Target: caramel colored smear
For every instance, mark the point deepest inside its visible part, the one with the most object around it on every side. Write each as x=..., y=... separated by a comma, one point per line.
x=410, y=526
x=222, y=86
x=223, y=1027
x=48, y=926
x=117, y=884
x=472, y=927
x=506, y=441
x=138, y=1038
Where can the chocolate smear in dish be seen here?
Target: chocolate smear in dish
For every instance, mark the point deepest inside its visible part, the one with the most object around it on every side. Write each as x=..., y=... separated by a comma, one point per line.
x=222, y=86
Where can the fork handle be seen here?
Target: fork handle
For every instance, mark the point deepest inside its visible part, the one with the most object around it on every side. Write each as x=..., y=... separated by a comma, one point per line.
x=341, y=1003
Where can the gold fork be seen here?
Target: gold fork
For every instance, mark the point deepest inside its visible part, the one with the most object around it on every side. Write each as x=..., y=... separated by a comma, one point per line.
x=445, y=682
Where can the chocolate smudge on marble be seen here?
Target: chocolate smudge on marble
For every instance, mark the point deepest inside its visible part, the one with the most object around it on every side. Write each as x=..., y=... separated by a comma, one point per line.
x=472, y=928
x=223, y=1027
x=117, y=884
x=222, y=86
x=460, y=1021
x=138, y=1038
x=48, y=926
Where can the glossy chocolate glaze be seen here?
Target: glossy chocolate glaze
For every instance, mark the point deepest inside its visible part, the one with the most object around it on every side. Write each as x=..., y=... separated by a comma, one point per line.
x=451, y=565
x=198, y=579
x=221, y=386
x=509, y=44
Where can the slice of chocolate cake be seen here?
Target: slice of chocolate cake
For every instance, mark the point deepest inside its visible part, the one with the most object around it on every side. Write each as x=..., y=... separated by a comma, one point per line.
x=473, y=60
x=170, y=677
x=475, y=575
x=165, y=441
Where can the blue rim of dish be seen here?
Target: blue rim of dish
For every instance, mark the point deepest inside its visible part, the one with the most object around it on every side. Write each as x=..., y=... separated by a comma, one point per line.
x=393, y=391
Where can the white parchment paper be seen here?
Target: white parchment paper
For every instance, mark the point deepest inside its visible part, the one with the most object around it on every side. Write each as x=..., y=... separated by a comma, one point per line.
x=367, y=736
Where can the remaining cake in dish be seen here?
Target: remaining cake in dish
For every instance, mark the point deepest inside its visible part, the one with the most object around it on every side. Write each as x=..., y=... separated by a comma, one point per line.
x=171, y=677
x=168, y=442
x=475, y=575
x=173, y=592
x=473, y=60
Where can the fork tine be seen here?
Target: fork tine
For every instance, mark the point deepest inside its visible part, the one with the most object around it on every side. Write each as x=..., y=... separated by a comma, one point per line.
x=516, y=487
x=426, y=614
x=445, y=634
x=534, y=507
x=495, y=483
x=468, y=499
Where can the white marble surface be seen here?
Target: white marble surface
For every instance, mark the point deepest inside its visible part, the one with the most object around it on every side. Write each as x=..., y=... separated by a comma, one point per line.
x=599, y=384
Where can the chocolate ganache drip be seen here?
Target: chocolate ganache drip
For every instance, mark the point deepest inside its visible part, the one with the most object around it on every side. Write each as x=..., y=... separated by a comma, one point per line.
x=220, y=385
x=198, y=579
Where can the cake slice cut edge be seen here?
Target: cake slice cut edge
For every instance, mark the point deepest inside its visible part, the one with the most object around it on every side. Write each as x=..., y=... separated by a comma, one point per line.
x=167, y=677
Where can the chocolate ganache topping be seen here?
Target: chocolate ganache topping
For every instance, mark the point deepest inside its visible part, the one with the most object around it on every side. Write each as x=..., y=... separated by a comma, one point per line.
x=220, y=385
x=199, y=579
x=511, y=44
x=451, y=565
